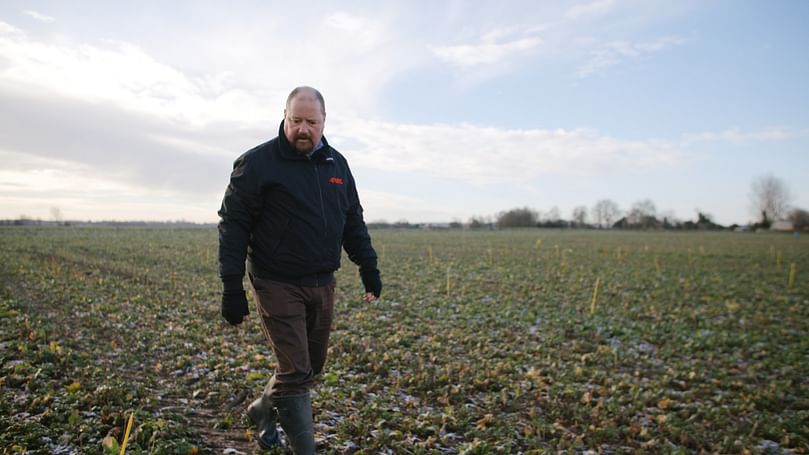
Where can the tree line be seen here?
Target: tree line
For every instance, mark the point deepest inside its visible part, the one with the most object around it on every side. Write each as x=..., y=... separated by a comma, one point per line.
x=769, y=201
x=605, y=214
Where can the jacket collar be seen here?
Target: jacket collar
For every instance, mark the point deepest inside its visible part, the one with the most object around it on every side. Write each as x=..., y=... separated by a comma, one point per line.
x=324, y=154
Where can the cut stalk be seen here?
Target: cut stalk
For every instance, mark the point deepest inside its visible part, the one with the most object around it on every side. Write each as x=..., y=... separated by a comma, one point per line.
x=449, y=283
x=126, y=434
x=595, y=296
x=792, y=272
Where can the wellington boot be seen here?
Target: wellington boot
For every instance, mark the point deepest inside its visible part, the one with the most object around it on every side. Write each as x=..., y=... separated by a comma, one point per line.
x=263, y=415
x=295, y=414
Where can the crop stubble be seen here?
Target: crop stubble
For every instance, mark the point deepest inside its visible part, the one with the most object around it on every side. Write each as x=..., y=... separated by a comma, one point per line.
x=483, y=342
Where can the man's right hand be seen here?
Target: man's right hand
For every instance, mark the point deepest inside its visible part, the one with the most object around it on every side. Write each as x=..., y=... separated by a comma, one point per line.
x=234, y=306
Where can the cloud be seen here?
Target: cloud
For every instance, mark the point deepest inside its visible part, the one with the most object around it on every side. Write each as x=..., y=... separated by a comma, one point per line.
x=8, y=29
x=480, y=155
x=493, y=47
x=112, y=113
x=738, y=136
x=39, y=16
x=123, y=75
x=109, y=125
x=34, y=192
x=594, y=8
x=605, y=55
x=345, y=21
x=363, y=35
x=125, y=146
x=349, y=56
x=31, y=185
x=107, y=118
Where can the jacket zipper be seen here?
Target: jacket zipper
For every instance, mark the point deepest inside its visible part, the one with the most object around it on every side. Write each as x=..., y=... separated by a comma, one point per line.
x=322, y=209
x=322, y=206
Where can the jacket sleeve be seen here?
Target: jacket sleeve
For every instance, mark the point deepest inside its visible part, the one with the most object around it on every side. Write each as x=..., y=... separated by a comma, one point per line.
x=356, y=240
x=240, y=207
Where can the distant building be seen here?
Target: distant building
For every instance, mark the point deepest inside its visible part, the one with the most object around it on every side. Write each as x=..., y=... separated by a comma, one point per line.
x=782, y=226
x=435, y=226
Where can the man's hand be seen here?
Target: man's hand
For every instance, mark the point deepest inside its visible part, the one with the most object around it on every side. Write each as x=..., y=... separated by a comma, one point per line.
x=234, y=306
x=372, y=283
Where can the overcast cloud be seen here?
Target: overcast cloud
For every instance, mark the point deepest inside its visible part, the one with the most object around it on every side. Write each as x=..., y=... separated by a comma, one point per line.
x=113, y=123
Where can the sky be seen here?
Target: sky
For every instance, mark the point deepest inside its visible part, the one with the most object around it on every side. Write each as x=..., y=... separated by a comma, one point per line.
x=445, y=110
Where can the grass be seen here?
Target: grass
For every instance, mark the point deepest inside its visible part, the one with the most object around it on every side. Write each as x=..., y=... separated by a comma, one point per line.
x=484, y=342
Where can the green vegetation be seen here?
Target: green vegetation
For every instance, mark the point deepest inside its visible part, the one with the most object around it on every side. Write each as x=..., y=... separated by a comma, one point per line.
x=484, y=342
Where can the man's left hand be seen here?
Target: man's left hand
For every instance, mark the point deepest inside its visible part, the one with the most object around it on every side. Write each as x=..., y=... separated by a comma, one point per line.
x=372, y=283
x=234, y=306
x=369, y=297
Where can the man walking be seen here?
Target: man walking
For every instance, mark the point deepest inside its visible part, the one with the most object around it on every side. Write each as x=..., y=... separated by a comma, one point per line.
x=290, y=208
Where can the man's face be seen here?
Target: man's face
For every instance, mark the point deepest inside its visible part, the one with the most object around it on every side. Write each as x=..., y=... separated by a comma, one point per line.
x=303, y=122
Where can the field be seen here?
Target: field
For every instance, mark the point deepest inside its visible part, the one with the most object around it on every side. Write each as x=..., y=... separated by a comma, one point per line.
x=529, y=341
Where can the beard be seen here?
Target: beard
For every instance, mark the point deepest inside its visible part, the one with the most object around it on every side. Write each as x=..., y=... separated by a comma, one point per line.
x=303, y=144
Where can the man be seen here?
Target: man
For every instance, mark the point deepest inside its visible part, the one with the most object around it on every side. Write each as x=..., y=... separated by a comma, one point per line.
x=290, y=207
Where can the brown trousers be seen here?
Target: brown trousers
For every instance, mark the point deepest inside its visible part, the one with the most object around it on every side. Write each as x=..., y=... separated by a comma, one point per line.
x=297, y=322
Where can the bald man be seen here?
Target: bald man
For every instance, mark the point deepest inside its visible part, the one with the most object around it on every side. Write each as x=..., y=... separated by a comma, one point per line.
x=290, y=208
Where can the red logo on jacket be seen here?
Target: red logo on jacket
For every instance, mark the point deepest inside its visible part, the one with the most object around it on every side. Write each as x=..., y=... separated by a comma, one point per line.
x=336, y=180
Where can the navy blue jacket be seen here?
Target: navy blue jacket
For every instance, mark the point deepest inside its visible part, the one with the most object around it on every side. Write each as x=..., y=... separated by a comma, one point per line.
x=291, y=215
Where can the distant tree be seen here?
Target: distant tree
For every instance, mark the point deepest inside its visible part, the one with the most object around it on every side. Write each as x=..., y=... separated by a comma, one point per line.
x=670, y=220
x=704, y=222
x=477, y=222
x=799, y=219
x=56, y=214
x=580, y=216
x=642, y=215
x=640, y=211
x=26, y=220
x=769, y=198
x=553, y=215
x=552, y=219
x=519, y=217
x=378, y=224
x=605, y=212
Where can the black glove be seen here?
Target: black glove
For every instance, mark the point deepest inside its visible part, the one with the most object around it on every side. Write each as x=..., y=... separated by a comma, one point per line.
x=234, y=306
x=371, y=281
x=234, y=302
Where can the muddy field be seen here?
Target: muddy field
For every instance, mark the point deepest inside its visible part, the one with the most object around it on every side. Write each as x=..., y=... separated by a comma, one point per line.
x=529, y=341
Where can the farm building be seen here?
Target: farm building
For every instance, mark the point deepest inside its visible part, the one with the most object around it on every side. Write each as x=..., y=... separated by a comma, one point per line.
x=782, y=226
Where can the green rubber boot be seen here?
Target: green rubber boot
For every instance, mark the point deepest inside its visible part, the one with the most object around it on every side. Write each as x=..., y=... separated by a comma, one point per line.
x=295, y=414
x=263, y=415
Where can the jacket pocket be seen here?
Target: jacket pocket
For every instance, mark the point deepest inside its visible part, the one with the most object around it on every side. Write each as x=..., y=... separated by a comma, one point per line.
x=268, y=240
x=278, y=238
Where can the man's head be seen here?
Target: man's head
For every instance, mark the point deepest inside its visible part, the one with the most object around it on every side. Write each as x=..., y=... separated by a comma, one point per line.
x=304, y=118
